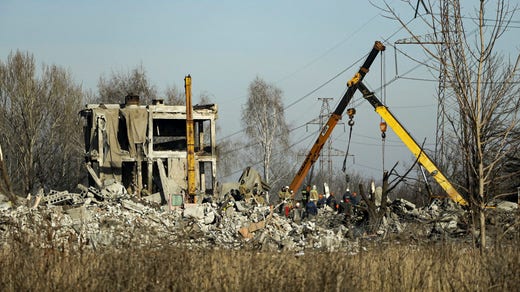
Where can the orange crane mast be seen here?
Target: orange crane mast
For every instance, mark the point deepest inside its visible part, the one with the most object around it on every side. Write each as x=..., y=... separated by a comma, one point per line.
x=326, y=131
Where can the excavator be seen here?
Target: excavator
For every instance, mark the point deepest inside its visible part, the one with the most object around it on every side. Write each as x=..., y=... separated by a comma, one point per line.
x=354, y=84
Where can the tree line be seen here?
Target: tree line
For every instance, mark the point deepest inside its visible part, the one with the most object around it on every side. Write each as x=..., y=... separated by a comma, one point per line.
x=41, y=132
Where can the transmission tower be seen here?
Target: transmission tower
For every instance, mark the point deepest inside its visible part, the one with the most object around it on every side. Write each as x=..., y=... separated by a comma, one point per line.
x=439, y=137
x=326, y=156
x=324, y=115
x=434, y=39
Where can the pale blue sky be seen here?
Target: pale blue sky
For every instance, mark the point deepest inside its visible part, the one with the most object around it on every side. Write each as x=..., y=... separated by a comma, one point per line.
x=224, y=45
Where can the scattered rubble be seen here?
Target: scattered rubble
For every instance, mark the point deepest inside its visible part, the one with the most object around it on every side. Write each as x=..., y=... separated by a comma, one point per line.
x=111, y=218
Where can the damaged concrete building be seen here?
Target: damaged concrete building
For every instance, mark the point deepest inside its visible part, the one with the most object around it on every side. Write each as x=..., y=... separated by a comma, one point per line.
x=145, y=147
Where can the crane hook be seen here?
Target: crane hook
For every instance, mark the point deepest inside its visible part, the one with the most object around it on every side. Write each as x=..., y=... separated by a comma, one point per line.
x=382, y=127
x=351, y=112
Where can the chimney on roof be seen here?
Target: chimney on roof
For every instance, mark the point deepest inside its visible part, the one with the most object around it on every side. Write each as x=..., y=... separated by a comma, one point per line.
x=157, y=101
x=131, y=99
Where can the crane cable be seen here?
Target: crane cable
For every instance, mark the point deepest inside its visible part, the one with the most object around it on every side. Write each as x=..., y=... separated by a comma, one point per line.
x=350, y=112
x=382, y=123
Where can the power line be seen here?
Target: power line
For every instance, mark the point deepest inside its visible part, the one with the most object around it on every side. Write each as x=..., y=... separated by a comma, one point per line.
x=315, y=90
x=328, y=51
x=484, y=19
x=306, y=95
x=323, y=84
x=279, y=152
x=358, y=102
x=252, y=144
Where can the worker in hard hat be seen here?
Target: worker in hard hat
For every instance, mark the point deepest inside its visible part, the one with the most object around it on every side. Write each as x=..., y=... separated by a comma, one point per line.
x=297, y=213
x=346, y=195
x=284, y=195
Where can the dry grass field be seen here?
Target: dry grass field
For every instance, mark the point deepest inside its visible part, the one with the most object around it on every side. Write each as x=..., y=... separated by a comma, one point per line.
x=382, y=266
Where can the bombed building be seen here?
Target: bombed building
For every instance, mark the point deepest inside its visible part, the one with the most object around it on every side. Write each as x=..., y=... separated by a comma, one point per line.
x=146, y=147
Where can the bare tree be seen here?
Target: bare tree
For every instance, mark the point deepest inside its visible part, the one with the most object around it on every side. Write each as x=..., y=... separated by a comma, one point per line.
x=205, y=98
x=120, y=84
x=229, y=164
x=174, y=96
x=264, y=121
x=60, y=155
x=484, y=89
x=39, y=124
x=5, y=181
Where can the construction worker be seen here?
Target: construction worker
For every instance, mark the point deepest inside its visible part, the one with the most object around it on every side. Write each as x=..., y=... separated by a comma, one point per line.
x=284, y=195
x=310, y=210
x=354, y=199
x=314, y=194
x=296, y=213
x=331, y=202
x=347, y=194
x=322, y=201
x=305, y=195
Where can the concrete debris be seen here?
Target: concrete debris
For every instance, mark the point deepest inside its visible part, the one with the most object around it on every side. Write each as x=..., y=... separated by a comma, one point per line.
x=194, y=211
x=3, y=198
x=93, y=219
x=6, y=205
x=136, y=207
x=506, y=206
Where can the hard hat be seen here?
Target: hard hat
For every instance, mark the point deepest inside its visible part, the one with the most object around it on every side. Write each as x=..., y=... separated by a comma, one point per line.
x=348, y=190
x=298, y=205
x=314, y=187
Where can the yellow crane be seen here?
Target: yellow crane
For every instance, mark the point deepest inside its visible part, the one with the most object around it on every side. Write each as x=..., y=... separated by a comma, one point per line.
x=354, y=84
x=190, y=141
x=412, y=145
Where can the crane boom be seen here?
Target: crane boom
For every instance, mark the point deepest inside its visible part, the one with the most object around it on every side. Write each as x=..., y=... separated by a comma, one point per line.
x=190, y=139
x=324, y=135
x=412, y=145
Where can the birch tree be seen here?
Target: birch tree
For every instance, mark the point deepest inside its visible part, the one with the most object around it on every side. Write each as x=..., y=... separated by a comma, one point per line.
x=264, y=120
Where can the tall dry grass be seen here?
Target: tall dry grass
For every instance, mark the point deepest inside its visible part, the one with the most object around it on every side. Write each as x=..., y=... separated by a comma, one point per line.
x=400, y=263
x=382, y=267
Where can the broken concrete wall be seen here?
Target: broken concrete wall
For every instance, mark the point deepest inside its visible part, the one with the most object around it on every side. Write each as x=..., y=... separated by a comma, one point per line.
x=124, y=141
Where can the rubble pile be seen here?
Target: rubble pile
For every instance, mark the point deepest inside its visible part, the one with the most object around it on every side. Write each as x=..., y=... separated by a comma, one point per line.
x=130, y=222
x=439, y=218
x=111, y=218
